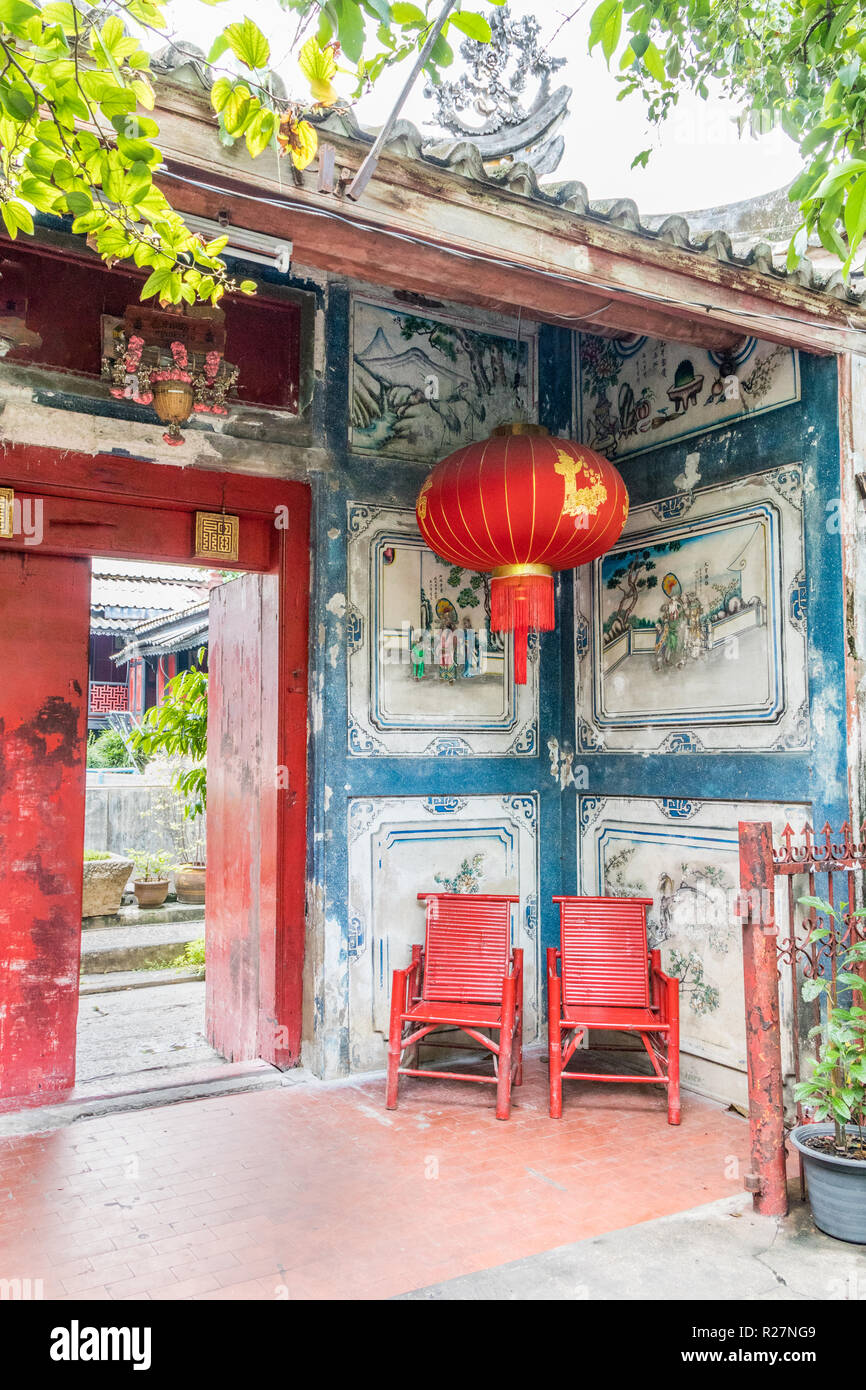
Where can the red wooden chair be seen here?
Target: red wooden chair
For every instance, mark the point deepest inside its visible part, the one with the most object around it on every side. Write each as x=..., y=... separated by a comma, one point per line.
x=610, y=980
x=466, y=977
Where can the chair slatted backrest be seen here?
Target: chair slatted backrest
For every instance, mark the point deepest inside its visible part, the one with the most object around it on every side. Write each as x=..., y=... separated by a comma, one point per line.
x=604, y=951
x=468, y=946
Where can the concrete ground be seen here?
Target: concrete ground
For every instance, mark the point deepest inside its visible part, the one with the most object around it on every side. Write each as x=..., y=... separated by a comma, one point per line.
x=122, y=1033
x=313, y=1190
x=713, y=1253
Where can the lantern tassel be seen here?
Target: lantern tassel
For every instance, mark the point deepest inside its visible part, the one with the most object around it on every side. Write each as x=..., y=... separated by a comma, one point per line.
x=521, y=601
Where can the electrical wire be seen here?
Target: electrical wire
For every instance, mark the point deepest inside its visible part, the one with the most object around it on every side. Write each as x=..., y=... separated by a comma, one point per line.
x=413, y=240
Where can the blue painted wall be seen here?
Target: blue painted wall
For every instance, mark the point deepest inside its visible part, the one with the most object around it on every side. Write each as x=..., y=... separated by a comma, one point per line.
x=805, y=433
x=397, y=483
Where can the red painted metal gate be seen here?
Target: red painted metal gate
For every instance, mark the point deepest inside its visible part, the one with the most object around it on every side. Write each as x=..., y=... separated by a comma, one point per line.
x=44, y=631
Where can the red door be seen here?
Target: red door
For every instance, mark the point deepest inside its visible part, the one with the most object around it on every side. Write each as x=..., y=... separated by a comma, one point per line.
x=44, y=630
x=242, y=900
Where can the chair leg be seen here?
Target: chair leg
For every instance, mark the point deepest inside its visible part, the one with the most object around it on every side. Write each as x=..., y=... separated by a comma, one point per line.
x=674, y=1112
x=395, y=1038
x=518, y=1042
x=506, y=1041
x=554, y=1043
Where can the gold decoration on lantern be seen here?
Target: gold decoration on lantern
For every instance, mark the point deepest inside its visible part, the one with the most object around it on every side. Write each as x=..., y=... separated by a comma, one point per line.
x=584, y=501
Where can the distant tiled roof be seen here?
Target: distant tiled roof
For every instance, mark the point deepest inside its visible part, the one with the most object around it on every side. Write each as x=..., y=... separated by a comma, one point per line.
x=124, y=593
x=136, y=569
x=172, y=632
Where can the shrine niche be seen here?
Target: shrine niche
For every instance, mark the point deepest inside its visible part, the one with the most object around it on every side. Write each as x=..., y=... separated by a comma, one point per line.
x=173, y=361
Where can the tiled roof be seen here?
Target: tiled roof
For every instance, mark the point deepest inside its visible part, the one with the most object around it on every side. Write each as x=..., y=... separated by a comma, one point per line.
x=756, y=252
x=152, y=573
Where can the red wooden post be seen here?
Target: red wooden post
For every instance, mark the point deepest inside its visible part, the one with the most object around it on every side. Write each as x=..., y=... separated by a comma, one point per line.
x=766, y=1181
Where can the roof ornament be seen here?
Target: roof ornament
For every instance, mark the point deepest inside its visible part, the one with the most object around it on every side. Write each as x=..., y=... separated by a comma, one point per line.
x=492, y=102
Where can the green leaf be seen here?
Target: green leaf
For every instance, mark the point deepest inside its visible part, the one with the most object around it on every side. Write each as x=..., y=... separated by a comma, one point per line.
x=260, y=132
x=247, y=287
x=408, y=15
x=350, y=29
x=220, y=93
x=138, y=151
x=855, y=211
x=90, y=221
x=813, y=988
x=17, y=218
x=654, y=62
x=604, y=15
x=18, y=101
x=79, y=202
x=248, y=43
x=14, y=14
x=156, y=283
x=820, y=903
x=40, y=194
x=138, y=183
x=475, y=26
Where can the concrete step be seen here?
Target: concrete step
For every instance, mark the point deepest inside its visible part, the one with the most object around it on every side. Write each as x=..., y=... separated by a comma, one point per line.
x=144, y=1092
x=140, y=916
x=116, y=980
x=132, y=947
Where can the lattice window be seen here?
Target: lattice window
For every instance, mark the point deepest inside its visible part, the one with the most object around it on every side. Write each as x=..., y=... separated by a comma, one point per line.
x=105, y=696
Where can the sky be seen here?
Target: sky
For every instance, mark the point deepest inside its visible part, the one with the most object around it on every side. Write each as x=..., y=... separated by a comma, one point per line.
x=698, y=159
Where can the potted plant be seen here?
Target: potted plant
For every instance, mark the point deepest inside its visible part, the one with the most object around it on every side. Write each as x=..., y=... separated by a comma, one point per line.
x=178, y=729
x=150, y=881
x=833, y=1148
x=105, y=877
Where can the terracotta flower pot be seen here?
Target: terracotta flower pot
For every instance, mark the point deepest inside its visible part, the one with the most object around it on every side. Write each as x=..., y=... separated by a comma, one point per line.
x=189, y=882
x=150, y=892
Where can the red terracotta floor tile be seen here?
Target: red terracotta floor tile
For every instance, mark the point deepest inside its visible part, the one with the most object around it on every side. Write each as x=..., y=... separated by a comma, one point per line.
x=318, y=1192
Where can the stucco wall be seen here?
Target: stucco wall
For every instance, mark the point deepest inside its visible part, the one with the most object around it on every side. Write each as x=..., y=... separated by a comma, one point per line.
x=385, y=822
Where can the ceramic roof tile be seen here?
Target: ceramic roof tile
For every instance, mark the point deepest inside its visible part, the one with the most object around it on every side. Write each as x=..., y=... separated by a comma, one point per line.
x=752, y=251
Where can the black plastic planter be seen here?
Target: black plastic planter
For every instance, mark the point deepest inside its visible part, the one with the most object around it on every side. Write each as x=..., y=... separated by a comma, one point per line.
x=837, y=1187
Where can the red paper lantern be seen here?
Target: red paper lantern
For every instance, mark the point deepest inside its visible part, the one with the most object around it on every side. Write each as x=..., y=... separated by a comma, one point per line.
x=522, y=505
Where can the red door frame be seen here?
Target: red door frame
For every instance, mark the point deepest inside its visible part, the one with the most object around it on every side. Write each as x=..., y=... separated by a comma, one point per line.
x=116, y=506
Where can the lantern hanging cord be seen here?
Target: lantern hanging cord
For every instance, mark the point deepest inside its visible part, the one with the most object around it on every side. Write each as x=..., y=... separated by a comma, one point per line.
x=651, y=296
x=517, y=380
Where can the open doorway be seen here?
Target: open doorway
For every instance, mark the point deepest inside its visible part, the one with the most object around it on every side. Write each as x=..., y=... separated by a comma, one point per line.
x=257, y=706
x=141, y=1015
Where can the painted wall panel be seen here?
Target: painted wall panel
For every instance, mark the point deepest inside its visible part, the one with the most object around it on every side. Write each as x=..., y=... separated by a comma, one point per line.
x=400, y=846
x=685, y=856
x=635, y=394
x=400, y=596
x=423, y=383
x=691, y=631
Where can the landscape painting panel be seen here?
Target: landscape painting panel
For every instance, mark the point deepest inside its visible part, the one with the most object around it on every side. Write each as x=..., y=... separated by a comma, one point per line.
x=684, y=854
x=423, y=387
x=677, y=613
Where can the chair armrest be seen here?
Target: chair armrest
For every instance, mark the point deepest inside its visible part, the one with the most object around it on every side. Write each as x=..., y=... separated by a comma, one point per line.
x=408, y=980
x=516, y=963
x=663, y=986
x=554, y=955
